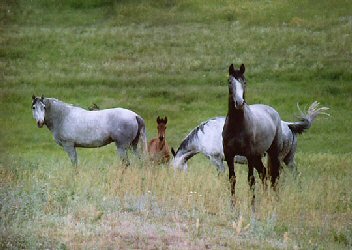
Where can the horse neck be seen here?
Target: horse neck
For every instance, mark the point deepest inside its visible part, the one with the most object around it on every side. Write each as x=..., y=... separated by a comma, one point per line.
x=55, y=110
x=184, y=155
x=162, y=144
x=233, y=112
x=187, y=150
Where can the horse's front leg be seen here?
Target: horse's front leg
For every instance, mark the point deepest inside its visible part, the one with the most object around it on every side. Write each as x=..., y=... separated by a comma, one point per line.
x=232, y=177
x=274, y=168
x=217, y=161
x=259, y=166
x=71, y=151
x=251, y=180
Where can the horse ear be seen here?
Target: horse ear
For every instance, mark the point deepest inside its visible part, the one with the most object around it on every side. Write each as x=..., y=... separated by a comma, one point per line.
x=158, y=119
x=173, y=152
x=231, y=70
x=242, y=69
x=33, y=97
x=165, y=119
x=42, y=98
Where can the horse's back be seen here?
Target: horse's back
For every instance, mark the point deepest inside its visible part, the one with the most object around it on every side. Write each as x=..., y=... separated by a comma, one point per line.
x=97, y=128
x=210, y=136
x=261, y=111
x=264, y=117
x=106, y=119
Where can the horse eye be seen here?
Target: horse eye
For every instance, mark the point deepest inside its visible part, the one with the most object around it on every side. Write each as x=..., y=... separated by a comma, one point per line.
x=33, y=107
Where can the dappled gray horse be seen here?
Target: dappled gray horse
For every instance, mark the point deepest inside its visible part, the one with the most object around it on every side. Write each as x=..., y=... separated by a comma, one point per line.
x=206, y=138
x=76, y=127
x=250, y=130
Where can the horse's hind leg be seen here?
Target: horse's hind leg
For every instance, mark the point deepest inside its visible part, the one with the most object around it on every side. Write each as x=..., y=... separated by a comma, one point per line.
x=273, y=157
x=135, y=149
x=289, y=159
x=259, y=166
x=71, y=151
x=122, y=151
x=273, y=167
x=134, y=144
x=240, y=159
x=255, y=162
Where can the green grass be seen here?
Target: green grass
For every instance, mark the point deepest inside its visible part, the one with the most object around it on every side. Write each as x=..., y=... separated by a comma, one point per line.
x=170, y=57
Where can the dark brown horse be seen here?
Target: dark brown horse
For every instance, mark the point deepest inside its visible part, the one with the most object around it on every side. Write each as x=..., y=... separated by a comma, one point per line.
x=158, y=149
x=251, y=131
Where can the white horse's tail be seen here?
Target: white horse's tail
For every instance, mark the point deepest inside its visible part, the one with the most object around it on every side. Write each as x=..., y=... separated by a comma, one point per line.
x=306, y=119
x=142, y=135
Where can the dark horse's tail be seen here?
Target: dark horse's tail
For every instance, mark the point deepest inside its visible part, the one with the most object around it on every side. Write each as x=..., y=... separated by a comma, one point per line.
x=307, y=119
x=141, y=134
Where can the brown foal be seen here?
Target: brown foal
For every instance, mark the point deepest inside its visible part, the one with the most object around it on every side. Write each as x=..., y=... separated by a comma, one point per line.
x=158, y=149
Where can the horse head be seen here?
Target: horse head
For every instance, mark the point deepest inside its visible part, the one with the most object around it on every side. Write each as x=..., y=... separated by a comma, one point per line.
x=179, y=160
x=237, y=85
x=161, y=127
x=38, y=110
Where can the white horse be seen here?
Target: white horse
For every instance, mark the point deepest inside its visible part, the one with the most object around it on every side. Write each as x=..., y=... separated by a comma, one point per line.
x=206, y=138
x=76, y=127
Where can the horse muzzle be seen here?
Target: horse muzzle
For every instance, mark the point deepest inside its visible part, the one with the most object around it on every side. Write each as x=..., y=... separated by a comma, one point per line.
x=40, y=124
x=239, y=104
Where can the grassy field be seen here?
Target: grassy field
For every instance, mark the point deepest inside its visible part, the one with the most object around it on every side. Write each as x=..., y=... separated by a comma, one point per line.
x=170, y=57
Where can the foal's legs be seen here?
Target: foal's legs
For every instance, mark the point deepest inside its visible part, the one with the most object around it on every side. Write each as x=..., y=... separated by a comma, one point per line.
x=71, y=151
x=289, y=159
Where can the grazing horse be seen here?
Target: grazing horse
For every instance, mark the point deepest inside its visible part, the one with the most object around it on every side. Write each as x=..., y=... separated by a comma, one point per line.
x=206, y=138
x=251, y=131
x=158, y=148
x=76, y=127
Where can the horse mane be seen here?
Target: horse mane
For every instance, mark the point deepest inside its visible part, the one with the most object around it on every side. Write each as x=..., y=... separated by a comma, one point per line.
x=53, y=100
x=193, y=135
